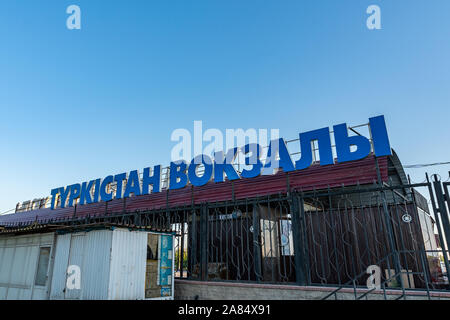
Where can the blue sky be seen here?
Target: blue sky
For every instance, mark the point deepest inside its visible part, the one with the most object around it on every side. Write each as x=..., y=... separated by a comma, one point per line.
x=81, y=104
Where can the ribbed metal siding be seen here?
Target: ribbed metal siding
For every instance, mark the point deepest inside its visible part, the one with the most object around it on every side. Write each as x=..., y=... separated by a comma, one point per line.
x=19, y=257
x=76, y=257
x=128, y=263
x=91, y=252
x=60, y=266
x=95, y=274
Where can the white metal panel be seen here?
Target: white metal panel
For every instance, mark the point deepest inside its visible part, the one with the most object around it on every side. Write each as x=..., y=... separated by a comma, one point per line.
x=39, y=293
x=13, y=293
x=95, y=271
x=47, y=238
x=32, y=261
x=24, y=294
x=18, y=276
x=5, y=266
x=60, y=266
x=76, y=257
x=128, y=263
x=91, y=252
x=3, y=293
x=19, y=259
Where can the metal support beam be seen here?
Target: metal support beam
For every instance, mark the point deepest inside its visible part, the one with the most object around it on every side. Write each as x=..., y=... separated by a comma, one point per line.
x=204, y=243
x=390, y=228
x=193, y=235
x=442, y=209
x=256, y=242
x=297, y=217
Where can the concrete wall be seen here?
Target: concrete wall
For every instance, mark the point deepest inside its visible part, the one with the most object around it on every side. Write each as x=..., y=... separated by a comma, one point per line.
x=198, y=290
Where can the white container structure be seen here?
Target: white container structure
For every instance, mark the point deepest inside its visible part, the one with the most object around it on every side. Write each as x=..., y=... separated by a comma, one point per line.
x=25, y=266
x=89, y=265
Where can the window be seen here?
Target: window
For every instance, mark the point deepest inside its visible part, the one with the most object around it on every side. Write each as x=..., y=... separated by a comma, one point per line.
x=41, y=275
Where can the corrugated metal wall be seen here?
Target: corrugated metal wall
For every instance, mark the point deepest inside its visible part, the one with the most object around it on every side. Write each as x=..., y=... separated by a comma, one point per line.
x=19, y=260
x=315, y=177
x=97, y=265
x=91, y=252
x=112, y=264
x=128, y=264
x=62, y=249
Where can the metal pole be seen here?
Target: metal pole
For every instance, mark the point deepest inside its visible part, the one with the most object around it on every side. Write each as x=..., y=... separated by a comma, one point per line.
x=438, y=225
x=193, y=250
x=299, y=258
x=389, y=226
x=442, y=209
x=204, y=243
x=256, y=242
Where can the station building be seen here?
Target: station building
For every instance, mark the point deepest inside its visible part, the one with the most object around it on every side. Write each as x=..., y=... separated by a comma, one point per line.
x=272, y=236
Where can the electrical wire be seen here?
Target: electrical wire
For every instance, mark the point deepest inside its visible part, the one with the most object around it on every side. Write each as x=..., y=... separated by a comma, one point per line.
x=416, y=166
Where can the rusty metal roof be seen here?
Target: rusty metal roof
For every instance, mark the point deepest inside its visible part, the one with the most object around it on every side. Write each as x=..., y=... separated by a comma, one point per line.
x=315, y=177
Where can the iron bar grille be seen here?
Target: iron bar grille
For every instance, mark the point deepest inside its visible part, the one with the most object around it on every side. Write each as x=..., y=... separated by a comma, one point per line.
x=326, y=237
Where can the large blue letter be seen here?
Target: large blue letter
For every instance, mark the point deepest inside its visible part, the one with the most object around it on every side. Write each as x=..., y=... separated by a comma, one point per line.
x=325, y=153
x=118, y=178
x=207, y=164
x=85, y=196
x=222, y=165
x=154, y=180
x=64, y=193
x=103, y=194
x=74, y=193
x=344, y=142
x=133, y=185
x=253, y=160
x=278, y=147
x=380, y=136
x=54, y=192
x=97, y=190
x=177, y=170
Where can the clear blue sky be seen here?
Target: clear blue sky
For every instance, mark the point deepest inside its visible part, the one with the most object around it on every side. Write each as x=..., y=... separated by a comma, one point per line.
x=79, y=105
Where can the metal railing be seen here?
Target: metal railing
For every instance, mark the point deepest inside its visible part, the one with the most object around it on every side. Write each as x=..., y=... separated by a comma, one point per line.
x=326, y=237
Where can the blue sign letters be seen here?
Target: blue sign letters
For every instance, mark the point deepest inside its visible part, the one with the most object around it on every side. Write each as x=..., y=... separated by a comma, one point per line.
x=348, y=148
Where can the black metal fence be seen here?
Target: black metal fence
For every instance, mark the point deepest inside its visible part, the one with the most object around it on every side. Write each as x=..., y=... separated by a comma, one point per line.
x=324, y=237
x=327, y=237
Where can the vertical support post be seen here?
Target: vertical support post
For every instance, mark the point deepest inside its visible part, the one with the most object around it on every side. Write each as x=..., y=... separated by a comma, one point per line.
x=422, y=249
x=446, y=193
x=297, y=216
x=438, y=225
x=193, y=261
x=181, y=251
x=256, y=242
x=389, y=227
x=442, y=209
x=204, y=243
